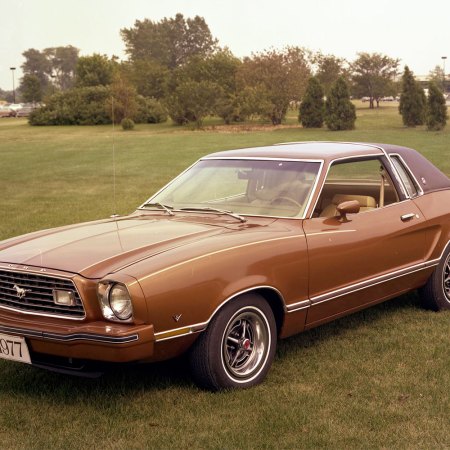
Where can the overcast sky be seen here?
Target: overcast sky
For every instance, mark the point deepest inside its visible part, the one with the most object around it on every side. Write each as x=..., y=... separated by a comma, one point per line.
x=416, y=32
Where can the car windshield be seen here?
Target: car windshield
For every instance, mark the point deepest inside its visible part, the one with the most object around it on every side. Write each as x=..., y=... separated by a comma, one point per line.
x=276, y=188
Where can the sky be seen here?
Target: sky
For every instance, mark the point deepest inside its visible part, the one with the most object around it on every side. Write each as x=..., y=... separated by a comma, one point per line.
x=416, y=32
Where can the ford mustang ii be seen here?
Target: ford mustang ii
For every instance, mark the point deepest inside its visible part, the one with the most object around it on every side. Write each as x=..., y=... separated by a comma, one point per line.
x=243, y=248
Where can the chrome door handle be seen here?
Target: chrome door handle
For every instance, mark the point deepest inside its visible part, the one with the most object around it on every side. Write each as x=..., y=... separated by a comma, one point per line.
x=407, y=217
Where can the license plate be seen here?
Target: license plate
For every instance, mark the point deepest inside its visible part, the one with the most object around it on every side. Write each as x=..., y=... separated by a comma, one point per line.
x=14, y=348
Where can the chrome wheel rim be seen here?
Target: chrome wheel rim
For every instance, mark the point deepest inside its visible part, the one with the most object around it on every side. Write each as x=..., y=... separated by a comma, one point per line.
x=446, y=278
x=245, y=343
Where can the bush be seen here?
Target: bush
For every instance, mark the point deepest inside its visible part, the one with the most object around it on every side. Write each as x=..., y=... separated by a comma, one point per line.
x=150, y=110
x=312, y=107
x=127, y=124
x=436, y=116
x=340, y=111
x=79, y=106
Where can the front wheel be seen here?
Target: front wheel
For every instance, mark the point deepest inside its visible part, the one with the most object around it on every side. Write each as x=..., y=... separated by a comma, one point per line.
x=435, y=295
x=238, y=347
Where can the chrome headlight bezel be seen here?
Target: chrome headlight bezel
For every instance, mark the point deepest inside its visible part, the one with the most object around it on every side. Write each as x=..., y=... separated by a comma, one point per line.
x=109, y=305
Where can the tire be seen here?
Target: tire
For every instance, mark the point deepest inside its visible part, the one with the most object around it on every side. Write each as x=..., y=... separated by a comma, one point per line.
x=237, y=348
x=435, y=295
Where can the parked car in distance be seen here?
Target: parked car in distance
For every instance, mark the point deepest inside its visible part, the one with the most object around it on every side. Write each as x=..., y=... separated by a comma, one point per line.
x=243, y=248
x=25, y=111
x=5, y=111
x=15, y=106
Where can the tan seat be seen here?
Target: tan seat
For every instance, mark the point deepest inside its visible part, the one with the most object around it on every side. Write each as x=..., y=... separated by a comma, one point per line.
x=366, y=203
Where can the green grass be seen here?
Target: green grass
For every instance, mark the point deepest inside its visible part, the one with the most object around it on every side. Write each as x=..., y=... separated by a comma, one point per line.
x=376, y=379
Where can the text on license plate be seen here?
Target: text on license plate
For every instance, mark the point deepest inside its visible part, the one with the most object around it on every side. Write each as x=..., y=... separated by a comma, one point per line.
x=14, y=348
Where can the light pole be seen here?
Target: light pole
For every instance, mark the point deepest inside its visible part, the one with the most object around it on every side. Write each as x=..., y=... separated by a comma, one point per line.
x=14, y=88
x=443, y=73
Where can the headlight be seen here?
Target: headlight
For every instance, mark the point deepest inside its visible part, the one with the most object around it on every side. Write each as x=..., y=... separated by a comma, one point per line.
x=115, y=301
x=120, y=302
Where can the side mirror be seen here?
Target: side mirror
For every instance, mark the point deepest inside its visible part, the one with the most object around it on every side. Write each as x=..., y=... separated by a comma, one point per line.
x=350, y=207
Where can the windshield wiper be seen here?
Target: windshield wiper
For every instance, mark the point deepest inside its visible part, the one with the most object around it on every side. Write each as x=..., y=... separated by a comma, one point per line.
x=166, y=208
x=216, y=210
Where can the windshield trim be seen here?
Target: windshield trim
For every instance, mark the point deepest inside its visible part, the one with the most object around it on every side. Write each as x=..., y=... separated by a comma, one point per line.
x=249, y=158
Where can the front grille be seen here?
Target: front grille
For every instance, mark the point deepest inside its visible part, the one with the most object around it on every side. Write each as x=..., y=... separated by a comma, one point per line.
x=37, y=297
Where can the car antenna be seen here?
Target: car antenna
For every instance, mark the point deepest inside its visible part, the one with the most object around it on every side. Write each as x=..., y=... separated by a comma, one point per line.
x=114, y=159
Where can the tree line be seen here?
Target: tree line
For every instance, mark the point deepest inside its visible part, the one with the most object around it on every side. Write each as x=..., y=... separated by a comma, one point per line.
x=176, y=68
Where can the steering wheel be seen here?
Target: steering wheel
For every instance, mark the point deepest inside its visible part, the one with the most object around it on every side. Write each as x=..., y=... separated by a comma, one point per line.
x=282, y=199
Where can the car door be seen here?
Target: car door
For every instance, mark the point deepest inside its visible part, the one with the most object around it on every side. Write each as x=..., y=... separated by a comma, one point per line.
x=365, y=257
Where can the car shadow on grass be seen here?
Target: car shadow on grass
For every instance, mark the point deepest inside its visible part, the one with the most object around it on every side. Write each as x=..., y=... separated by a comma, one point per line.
x=18, y=379
x=352, y=322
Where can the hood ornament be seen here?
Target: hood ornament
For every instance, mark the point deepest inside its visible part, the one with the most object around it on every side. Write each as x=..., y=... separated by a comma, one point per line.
x=20, y=292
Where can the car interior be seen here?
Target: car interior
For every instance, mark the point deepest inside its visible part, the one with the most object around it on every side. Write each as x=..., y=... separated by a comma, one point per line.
x=366, y=181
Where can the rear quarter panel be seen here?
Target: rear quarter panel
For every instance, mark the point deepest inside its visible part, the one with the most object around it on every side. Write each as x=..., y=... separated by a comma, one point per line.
x=435, y=207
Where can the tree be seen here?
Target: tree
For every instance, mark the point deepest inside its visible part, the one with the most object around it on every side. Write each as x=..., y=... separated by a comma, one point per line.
x=94, y=70
x=123, y=102
x=56, y=63
x=328, y=69
x=36, y=63
x=150, y=78
x=312, y=106
x=412, y=100
x=283, y=74
x=31, y=89
x=171, y=42
x=6, y=96
x=374, y=75
x=437, y=77
x=192, y=101
x=220, y=69
x=436, y=116
x=63, y=62
x=339, y=110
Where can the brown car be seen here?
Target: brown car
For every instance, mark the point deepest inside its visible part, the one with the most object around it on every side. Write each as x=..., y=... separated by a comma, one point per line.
x=243, y=248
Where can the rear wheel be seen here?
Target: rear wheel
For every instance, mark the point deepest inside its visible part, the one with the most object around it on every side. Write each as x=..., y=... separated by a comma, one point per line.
x=238, y=347
x=435, y=295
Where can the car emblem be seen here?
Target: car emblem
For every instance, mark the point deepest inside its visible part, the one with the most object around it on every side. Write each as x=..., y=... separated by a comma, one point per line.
x=21, y=292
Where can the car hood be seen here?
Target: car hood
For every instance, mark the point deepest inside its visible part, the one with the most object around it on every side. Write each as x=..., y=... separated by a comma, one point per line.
x=95, y=249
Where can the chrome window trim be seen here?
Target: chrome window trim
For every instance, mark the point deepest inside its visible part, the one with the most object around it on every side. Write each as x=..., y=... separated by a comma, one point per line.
x=249, y=158
x=410, y=173
x=395, y=172
x=262, y=158
x=47, y=275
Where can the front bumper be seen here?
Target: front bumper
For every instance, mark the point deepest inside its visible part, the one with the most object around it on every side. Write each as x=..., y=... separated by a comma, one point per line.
x=96, y=341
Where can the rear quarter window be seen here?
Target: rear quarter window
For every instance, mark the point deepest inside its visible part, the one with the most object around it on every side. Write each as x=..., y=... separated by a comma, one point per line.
x=407, y=179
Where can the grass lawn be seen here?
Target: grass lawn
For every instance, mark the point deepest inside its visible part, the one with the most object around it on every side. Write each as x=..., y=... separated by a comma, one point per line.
x=376, y=379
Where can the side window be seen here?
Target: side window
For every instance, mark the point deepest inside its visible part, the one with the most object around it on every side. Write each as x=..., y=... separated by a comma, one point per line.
x=409, y=183
x=366, y=181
